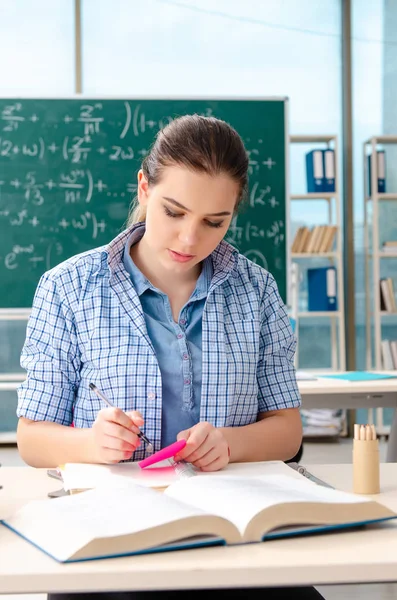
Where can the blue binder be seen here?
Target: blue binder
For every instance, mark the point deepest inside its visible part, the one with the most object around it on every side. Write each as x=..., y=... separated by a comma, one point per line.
x=322, y=294
x=329, y=170
x=381, y=167
x=315, y=171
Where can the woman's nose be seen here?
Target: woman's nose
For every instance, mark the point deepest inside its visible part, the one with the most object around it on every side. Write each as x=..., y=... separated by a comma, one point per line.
x=188, y=234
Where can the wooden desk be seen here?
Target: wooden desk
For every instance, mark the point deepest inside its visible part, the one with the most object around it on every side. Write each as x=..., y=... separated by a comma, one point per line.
x=348, y=557
x=338, y=393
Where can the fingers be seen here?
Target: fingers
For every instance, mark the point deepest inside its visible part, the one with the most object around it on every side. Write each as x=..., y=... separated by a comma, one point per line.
x=127, y=439
x=116, y=415
x=216, y=465
x=135, y=417
x=195, y=437
x=199, y=452
x=111, y=456
x=116, y=434
x=206, y=447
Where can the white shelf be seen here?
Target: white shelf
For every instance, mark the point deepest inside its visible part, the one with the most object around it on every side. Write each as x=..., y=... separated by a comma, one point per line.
x=314, y=255
x=382, y=139
x=13, y=377
x=375, y=317
x=310, y=139
x=335, y=256
x=317, y=313
x=8, y=437
x=14, y=314
x=9, y=386
x=374, y=255
x=385, y=196
x=314, y=196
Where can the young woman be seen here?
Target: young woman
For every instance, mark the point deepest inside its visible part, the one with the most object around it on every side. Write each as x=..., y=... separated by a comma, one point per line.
x=184, y=335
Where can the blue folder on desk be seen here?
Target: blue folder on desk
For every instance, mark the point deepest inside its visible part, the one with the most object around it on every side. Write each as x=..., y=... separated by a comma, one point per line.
x=359, y=376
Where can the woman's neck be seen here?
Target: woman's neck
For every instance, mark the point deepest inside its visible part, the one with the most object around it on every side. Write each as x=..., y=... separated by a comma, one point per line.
x=157, y=276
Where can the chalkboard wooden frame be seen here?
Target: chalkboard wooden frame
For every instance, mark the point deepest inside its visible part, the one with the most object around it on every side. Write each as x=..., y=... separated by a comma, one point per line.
x=17, y=310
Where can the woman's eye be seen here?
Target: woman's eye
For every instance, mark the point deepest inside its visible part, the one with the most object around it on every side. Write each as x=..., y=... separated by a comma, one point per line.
x=169, y=213
x=212, y=224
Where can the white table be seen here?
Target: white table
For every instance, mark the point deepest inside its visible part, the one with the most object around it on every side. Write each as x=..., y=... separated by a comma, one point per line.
x=338, y=393
x=349, y=557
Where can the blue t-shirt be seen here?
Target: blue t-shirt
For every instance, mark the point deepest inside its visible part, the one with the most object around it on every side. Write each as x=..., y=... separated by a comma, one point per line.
x=178, y=346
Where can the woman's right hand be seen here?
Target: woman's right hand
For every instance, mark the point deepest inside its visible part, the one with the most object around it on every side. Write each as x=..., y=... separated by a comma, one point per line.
x=114, y=435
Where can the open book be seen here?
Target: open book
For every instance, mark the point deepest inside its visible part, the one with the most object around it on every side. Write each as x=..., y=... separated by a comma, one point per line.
x=131, y=519
x=81, y=476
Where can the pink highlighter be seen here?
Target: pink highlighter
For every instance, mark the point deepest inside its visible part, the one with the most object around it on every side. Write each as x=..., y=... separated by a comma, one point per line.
x=166, y=453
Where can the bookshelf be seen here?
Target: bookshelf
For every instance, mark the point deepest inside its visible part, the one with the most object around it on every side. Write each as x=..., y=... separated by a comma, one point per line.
x=377, y=313
x=332, y=256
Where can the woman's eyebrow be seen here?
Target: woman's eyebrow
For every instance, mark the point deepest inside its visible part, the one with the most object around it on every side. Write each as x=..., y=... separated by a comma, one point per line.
x=224, y=213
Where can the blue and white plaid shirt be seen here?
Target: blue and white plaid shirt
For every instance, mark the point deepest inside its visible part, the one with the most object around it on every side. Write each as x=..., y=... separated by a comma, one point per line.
x=87, y=324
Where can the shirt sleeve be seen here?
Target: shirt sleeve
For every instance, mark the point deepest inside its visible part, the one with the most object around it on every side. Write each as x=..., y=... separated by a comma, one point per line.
x=277, y=385
x=51, y=358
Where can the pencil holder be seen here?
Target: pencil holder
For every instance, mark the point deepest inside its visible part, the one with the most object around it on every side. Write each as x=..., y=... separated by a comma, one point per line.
x=366, y=467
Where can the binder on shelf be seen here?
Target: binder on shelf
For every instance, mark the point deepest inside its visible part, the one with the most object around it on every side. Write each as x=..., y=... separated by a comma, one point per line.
x=381, y=168
x=322, y=294
x=315, y=171
x=329, y=170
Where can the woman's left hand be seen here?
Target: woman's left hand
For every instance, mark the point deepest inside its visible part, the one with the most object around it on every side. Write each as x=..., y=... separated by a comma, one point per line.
x=206, y=447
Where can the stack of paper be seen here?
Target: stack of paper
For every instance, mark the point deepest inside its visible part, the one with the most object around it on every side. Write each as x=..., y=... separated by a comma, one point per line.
x=322, y=422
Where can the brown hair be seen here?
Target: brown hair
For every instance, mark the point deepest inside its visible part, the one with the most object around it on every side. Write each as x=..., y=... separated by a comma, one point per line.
x=203, y=144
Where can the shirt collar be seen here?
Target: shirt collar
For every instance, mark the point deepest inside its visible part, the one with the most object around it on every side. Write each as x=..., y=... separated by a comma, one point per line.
x=141, y=283
x=224, y=258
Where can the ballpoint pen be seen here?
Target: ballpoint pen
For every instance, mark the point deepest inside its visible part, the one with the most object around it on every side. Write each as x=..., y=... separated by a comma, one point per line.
x=100, y=395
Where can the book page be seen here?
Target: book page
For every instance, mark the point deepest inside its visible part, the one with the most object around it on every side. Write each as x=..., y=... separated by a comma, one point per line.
x=240, y=499
x=81, y=476
x=62, y=526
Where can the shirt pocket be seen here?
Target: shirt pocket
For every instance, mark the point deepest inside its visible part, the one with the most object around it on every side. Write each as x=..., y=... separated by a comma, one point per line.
x=242, y=351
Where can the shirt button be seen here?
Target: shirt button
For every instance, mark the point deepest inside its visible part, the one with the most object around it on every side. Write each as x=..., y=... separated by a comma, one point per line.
x=151, y=395
x=179, y=336
x=187, y=381
x=185, y=356
x=182, y=321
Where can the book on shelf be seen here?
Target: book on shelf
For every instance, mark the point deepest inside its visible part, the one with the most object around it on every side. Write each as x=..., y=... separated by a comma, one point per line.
x=329, y=238
x=191, y=512
x=390, y=247
x=297, y=242
x=393, y=348
x=387, y=298
x=389, y=354
x=381, y=171
x=313, y=241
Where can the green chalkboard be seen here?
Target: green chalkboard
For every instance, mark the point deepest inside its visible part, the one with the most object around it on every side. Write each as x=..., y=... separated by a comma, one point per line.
x=68, y=174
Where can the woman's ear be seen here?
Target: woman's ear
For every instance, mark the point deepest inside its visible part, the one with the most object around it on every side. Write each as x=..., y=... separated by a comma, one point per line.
x=143, y=188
